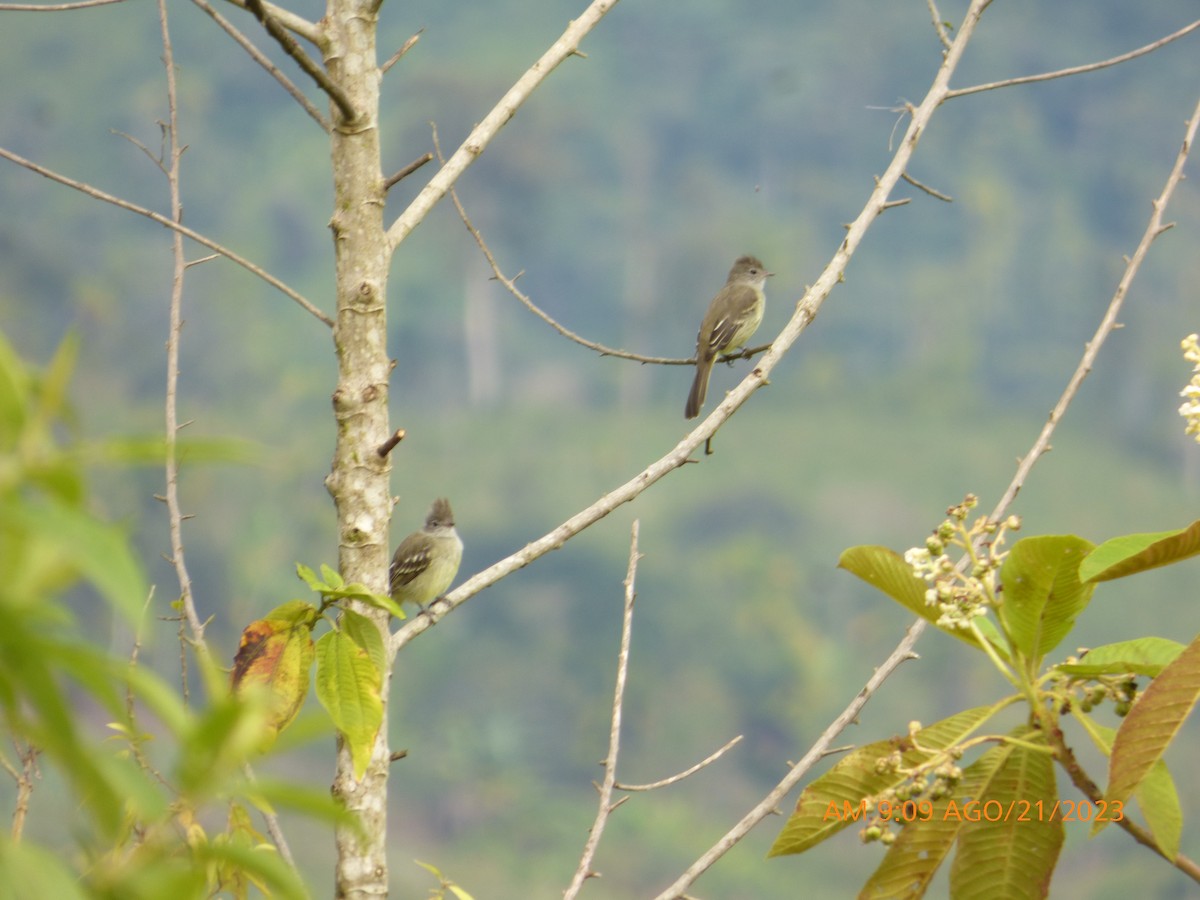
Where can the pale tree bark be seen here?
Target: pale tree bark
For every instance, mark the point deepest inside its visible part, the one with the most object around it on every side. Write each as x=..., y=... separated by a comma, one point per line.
x=358, y=481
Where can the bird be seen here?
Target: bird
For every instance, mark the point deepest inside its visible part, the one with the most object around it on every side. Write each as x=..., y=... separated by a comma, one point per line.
x=426, y=561
x=733, y=316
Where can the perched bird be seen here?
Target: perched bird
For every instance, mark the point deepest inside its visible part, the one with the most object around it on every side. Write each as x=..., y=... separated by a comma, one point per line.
x=427, y=560
x=732, y=317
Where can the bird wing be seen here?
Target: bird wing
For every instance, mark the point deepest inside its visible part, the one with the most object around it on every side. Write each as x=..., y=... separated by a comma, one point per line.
x=409, y=562
x=724, y=329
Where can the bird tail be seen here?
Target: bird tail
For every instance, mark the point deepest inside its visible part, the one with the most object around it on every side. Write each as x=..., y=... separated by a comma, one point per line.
x=699, y=389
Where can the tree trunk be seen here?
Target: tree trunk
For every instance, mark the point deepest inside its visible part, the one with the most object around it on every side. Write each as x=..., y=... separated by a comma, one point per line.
x=358, y=481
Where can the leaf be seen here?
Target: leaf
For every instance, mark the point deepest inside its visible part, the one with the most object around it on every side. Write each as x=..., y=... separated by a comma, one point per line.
x=97, y=551
x=365, y=634
x=1012, y=849
x=1153, y=722
x=922, y=846
x=309, y=577
x=348, y=686
x=834, y=800
x=1156, y=795
x=29, y=870
x=886, y=570
x=277, y=653
x=331, y=576
x=1141, y=656
x=1132, y=553
x=1042, y=592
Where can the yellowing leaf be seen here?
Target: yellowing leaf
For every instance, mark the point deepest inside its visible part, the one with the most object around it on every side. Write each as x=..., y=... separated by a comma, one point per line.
x=276, y=653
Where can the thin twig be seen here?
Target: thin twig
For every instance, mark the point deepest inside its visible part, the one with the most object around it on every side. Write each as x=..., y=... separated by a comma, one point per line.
x=483, y=133
x=56, y=7
x=291, y=21
x=170, y=166
x=296, y=52
x=393, y=180
x=261, y=58
x=1075, y=70
x=174, y=154
x=399, y=54
x=24, y=778
x=1154, y=228
x=666, y=782
x=939, y=24
x=584, y=870
x=166, y=222
x=927, y=189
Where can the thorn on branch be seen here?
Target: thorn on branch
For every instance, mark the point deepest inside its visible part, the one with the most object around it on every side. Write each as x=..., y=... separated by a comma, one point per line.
x=390, y=444
x=892, y=203
x=397, y=755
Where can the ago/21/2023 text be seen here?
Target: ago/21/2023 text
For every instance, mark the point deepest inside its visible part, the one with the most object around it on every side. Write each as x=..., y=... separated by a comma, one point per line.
x=975, y=811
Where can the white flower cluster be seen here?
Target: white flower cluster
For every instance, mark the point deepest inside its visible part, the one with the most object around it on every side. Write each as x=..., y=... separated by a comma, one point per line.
x=962, y=593
x=1190, y=409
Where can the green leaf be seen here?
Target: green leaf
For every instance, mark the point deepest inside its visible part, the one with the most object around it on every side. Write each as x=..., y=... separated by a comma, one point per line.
x=1153, y=722
x=1132, y=553
x=331, y=576
x=97, y=551
x=348, y=686
x=887, y=571
x=366, y=634
x=1042, y=592
x=924, y=843
x=1156, y=796
x=1141, y=656
x=833, y=801
x=1012, y=850
x=31, y=872
x=309, y=577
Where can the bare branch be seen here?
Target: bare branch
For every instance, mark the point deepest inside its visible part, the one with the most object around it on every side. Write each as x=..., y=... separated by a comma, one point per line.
x=261, y=58
x=295, y=51
x=770, y=803
x=584, y=869
x=288, y=19
x=55, y=7
x=806, y=311
x=510, y=285
x=1154, y=228
x=1075, y=70
x=926, y=188
x=666, y=782
x=168, y=223
x=903, y=650
x=393, y=180
x=172, y=153
x=939, y=24
x=487, y=129
x=399, y=54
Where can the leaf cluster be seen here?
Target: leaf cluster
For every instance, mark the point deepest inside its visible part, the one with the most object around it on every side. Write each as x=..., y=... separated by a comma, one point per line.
x=1000, y=813
x=148, y=787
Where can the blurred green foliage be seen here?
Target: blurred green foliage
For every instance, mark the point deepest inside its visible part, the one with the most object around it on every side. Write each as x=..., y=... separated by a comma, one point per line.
x=624, y=189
